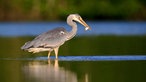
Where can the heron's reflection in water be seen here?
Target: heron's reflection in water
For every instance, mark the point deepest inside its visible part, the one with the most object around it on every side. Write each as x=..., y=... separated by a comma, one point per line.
x=42, y=71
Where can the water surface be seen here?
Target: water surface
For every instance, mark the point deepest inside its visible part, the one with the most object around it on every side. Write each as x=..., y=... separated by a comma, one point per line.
x=105, y=58
x=98, y=28
x=43, y=70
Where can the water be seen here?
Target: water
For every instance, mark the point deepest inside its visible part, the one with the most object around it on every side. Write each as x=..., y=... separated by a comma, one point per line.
x=98, y=28
x=41, y=70
x=86, y=58
x=105, y=58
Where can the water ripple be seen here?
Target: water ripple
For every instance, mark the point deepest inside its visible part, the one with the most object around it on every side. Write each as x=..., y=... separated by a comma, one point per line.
x=86, y=58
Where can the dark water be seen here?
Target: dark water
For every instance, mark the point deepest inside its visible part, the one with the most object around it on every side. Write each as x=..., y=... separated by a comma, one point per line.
x=42, y=70
x=108, y=58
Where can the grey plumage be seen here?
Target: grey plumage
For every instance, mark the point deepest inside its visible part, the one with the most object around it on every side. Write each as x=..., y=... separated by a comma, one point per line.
x=47, y=39
x=53, y=39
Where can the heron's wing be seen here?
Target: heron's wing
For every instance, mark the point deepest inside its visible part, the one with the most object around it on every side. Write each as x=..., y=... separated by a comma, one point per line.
x=52, y=38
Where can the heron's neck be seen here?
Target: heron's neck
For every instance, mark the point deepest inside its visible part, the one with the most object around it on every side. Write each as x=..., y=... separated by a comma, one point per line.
x=73, y=31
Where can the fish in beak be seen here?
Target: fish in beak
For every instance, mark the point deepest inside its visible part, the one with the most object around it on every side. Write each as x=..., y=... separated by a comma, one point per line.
x=81, y=21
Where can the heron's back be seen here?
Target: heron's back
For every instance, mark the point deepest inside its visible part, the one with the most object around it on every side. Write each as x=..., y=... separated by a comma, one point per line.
x=49, y=39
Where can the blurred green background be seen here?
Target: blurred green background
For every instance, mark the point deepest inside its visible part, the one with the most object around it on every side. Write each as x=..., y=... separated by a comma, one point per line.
x=42, y=10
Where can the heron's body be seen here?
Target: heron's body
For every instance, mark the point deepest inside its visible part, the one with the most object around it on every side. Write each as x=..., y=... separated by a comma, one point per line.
x=53, y=39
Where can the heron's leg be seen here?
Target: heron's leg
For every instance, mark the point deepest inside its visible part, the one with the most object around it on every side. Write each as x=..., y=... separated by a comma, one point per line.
x=56, y=52
x=49, y=54
x=56, y=65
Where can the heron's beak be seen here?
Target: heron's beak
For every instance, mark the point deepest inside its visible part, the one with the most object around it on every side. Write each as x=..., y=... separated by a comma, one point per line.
x=80, y=20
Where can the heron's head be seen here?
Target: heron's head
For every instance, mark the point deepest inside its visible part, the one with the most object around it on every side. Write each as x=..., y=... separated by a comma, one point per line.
x=78, y=18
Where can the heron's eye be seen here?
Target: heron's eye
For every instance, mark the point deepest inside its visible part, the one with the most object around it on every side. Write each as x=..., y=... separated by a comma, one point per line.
x=79, y=17
x=61, y=32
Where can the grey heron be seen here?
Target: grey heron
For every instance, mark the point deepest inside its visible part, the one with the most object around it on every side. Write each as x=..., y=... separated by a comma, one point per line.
x=53, y=39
